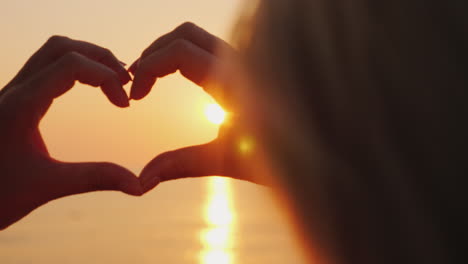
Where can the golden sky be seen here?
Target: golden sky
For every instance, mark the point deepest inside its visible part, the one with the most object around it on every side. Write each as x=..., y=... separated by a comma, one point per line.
x=82, y=125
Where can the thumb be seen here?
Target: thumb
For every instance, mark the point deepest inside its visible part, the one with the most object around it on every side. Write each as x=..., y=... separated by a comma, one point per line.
x=194, y=161
x=75, y=178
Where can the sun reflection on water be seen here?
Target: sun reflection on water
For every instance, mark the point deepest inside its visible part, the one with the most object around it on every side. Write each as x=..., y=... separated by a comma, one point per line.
x=217, y=238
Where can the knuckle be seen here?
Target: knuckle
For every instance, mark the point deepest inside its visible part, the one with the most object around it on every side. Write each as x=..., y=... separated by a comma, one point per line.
x=186, y=27
x=56, y=41
x=106, y=54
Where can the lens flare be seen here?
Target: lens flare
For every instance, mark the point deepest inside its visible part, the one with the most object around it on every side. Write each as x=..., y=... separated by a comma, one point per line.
x=215, y=114
x=246, y=145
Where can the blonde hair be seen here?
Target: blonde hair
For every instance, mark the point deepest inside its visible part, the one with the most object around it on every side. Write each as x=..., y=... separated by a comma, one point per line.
x=361, y=105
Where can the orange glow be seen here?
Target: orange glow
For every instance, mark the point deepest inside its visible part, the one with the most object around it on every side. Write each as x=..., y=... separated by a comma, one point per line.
x=82, y=126
x=217, y=239
x=215, y=114
x=246, y=145
x=216, y=257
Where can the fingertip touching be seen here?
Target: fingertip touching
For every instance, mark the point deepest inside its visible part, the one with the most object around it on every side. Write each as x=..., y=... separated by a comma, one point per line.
x=115, y=93
x=150, y=184
x=124, y=76
x=118, y=178
x=134, y=66
x=119, y=68
x=141, y=86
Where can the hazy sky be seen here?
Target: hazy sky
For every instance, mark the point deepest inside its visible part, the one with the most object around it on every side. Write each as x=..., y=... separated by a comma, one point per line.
x=82, y=125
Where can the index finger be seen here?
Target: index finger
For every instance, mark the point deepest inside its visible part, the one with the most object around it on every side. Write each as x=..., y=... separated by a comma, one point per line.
x=187, y=31
x=57, y=46
x=33, y=98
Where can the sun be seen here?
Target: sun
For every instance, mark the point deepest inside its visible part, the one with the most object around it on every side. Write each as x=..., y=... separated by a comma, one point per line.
x=215, y=114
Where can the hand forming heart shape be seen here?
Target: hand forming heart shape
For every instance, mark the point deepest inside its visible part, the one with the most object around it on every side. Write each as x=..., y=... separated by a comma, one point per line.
x=195, y=53
x=31, y=177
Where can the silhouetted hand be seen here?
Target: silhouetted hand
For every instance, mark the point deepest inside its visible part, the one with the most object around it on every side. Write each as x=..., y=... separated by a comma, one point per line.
x=193, y=52
x=29, y=177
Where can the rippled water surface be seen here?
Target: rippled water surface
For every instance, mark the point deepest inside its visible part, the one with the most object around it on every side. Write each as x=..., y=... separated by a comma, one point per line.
x=207, y=221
